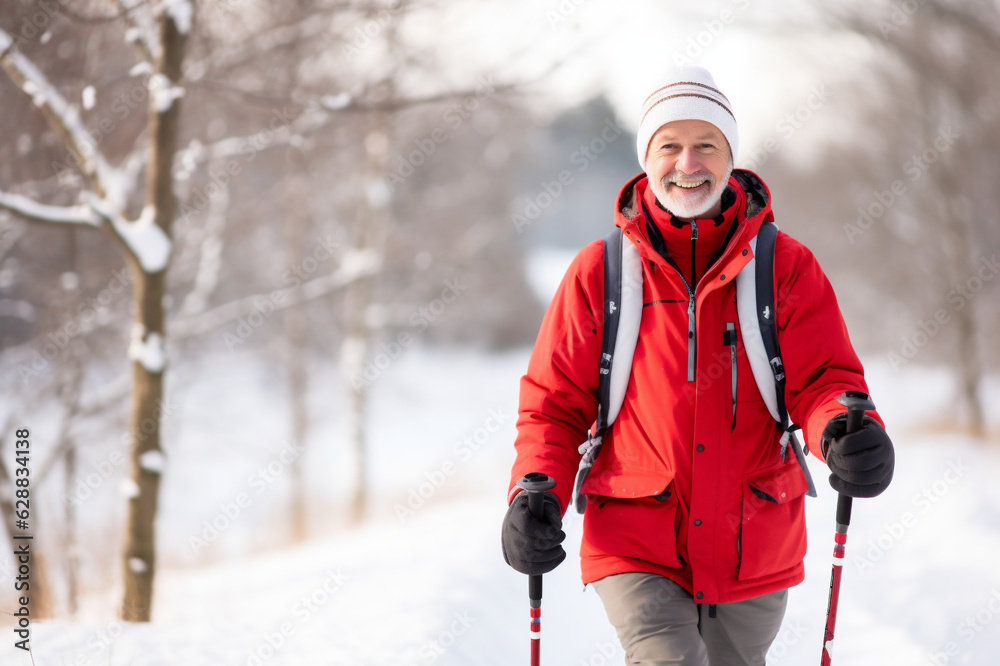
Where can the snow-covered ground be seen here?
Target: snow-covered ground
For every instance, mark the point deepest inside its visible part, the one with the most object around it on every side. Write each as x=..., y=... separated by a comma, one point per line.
x=424, y=582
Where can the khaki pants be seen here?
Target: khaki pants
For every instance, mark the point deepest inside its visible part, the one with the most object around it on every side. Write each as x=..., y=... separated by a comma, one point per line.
x=659, y=624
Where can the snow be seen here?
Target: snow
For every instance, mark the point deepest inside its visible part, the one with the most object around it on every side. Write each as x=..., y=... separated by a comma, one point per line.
x=43, y=94
x=129, y=489
x=148, y=350
x=336, y=102
x=147, y=241
x=80, y=214
x=163, y=92
x=920, y=577
x=89, y=97
x=137, y=565
x=141, y=68
x=181, y=12
x=153, y=461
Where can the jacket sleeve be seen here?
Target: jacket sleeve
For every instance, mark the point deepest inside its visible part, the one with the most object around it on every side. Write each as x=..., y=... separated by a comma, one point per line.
x=558, y=400
x=820, y=363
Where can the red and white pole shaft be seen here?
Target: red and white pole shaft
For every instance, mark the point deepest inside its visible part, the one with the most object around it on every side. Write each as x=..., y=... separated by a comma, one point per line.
x=857, y=404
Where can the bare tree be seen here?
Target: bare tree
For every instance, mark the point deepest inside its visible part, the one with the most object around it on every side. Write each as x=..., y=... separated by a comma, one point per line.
x=147, y=245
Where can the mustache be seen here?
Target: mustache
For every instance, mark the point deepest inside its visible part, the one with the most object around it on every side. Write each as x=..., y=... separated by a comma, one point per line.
x=676, y=176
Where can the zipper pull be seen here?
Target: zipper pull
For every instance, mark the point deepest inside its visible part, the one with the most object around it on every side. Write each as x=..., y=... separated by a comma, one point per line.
x=730, y=339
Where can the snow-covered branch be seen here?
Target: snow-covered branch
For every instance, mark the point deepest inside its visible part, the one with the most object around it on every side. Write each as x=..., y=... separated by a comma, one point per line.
x=147, y=242
x=63, y=116
x=361, y=265
x=32, y=210
x=141, y=31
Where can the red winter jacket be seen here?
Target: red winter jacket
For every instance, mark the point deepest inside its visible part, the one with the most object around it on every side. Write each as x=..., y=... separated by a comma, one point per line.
x=677, y=488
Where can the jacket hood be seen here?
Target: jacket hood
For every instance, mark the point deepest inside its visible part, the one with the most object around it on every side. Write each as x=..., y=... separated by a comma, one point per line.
x=758, y=197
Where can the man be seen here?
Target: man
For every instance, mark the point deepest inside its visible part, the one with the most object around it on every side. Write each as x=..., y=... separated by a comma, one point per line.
x=694, y=529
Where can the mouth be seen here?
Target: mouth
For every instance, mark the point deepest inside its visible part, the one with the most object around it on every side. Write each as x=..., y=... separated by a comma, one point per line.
x=693, y=185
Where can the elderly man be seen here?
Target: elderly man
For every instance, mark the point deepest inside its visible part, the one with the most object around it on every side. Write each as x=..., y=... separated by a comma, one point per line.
x=694, y=529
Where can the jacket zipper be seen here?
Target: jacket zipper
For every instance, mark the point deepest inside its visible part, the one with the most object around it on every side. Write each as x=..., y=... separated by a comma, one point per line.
x=692, y=342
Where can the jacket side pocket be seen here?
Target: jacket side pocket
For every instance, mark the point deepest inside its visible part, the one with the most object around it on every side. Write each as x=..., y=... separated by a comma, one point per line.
x=642, y=528
x=772, y=530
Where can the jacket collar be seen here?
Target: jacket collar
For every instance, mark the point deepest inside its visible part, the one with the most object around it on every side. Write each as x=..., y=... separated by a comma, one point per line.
x=630, y=217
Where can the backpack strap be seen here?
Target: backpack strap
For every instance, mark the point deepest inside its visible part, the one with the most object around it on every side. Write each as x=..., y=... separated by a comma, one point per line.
x=606, y=412
x=767, y=324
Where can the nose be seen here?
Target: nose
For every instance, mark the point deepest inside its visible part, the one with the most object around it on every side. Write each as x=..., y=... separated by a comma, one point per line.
x=687, y=162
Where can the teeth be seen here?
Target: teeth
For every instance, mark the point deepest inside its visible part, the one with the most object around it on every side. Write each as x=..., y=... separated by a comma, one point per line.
x=690, y=186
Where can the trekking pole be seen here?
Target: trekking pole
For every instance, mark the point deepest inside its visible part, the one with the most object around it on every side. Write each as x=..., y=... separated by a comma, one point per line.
x=535, y=484
x=857, y=404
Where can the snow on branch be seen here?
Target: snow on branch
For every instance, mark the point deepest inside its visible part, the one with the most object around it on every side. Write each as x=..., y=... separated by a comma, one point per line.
x=357, y=265
x=147, y=242
x=181, y=12
x=32, y=210
x=63, y=116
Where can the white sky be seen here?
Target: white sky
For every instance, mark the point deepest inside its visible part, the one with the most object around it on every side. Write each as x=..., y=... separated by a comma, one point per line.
x=622, y=48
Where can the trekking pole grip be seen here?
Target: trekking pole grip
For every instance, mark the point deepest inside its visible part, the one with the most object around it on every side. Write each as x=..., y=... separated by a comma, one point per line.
x=857, y=403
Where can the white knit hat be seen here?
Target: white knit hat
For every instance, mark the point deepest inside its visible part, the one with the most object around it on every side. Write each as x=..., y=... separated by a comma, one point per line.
x=689, y=93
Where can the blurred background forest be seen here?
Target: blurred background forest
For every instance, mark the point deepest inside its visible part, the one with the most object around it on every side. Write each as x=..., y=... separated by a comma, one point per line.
x=242, y=241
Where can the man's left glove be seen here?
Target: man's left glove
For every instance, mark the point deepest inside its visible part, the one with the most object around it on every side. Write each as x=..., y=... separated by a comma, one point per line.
x=862, y=462
x=530, y=545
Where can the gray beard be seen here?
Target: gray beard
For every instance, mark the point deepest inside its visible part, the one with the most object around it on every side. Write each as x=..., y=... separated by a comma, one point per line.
x=689, y=212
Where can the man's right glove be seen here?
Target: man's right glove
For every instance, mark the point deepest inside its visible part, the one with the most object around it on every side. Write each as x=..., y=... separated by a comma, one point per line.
x=531, y=546
x=862, y=462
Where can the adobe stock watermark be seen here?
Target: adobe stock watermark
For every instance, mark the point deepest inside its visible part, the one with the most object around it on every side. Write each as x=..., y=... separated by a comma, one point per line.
x=220, y=180
x=923, y=502
x=36, y=23
x=563, y=11
x=699, y=43
x=433, y=649
x=581, y=158
x=230, y=512
x=419, y=321
x=788, y=637
x=121, y=107
x=462, y=452
x=368, y=29
x=970, y=628
x=959, y=296
x=899, y=16
x=265, y=306
x=89, y=315
x=788, y=125
x=453, y=118
x=914, y=168
x=605, y=653
x=300, y=613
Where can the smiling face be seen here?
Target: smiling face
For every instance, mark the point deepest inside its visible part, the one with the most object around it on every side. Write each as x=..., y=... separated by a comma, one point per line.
x=688, y=164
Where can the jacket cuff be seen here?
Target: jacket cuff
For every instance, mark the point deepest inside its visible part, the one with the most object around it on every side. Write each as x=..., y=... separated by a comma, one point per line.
x=817, y=423
x=513, y=492
x=820, y=418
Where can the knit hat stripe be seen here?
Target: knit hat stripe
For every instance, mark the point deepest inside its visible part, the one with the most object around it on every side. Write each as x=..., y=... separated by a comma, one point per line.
x=664, y=99
x=685, y=83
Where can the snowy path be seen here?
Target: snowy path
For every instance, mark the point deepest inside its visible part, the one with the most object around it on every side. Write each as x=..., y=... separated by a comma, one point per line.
x=432, y=588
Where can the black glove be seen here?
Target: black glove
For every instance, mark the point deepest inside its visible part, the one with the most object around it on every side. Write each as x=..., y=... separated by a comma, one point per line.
x=531, y=546
x=862, y=462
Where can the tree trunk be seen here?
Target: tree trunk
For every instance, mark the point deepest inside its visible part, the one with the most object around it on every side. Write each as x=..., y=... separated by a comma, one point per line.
x=147, y=391
x=295, y=357
x=374, y=218
x=72, y=546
